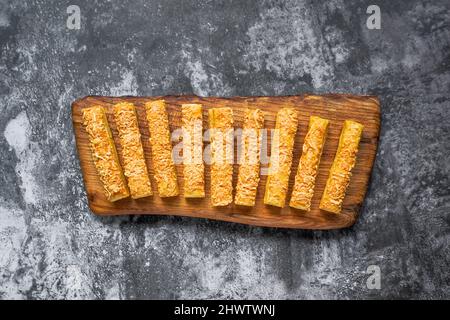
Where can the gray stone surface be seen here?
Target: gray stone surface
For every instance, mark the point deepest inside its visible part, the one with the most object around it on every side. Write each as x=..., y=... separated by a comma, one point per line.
x=51, y=246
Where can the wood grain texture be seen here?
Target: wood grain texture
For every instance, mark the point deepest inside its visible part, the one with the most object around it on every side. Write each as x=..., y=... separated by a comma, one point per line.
x=336, y=108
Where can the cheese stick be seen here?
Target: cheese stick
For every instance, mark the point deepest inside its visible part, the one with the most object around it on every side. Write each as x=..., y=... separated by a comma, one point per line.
x=222, y=154
x=104, y=153
x=132, y=152
x=281, y=157
x=248, y=176
x=193, y=168
x=308, y=166
x=340, y=172
x=158, y=125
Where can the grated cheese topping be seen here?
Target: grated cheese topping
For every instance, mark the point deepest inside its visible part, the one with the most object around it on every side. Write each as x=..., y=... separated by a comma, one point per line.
x=340, y=172
x=308, y=166
x=158, y=125
x=248, y=176
x=193, y=168
x=281, y=157
x=222, y=155
x=132, y=150
x=104, y=153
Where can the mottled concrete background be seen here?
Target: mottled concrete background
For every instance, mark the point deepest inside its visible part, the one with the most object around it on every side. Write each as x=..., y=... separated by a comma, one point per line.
x=51, y=246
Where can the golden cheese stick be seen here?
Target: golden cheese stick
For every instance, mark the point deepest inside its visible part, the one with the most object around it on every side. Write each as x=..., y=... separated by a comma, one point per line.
x=308, y=165
x=104, y=153
x=164, y=168
x=248, y=176
x=193, y=168
x=222, y=154
x=281, y=157
x=340, y=172
x=132, y=152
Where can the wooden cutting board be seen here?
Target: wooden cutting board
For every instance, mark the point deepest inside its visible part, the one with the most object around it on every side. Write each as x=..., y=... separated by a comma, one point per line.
x=336, y=108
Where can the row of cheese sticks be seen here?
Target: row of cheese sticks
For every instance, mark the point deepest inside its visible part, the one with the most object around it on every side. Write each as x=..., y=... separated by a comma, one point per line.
x=134, y=178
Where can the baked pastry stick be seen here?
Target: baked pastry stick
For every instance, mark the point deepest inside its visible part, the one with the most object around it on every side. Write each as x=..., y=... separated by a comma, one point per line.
x=104, y=153
x=340, y=172
x=193, y=168
x=164, y=168
x=248, y=176
x=281, y=157
x=222, y=154
x=132, y=152
x=308, y=165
